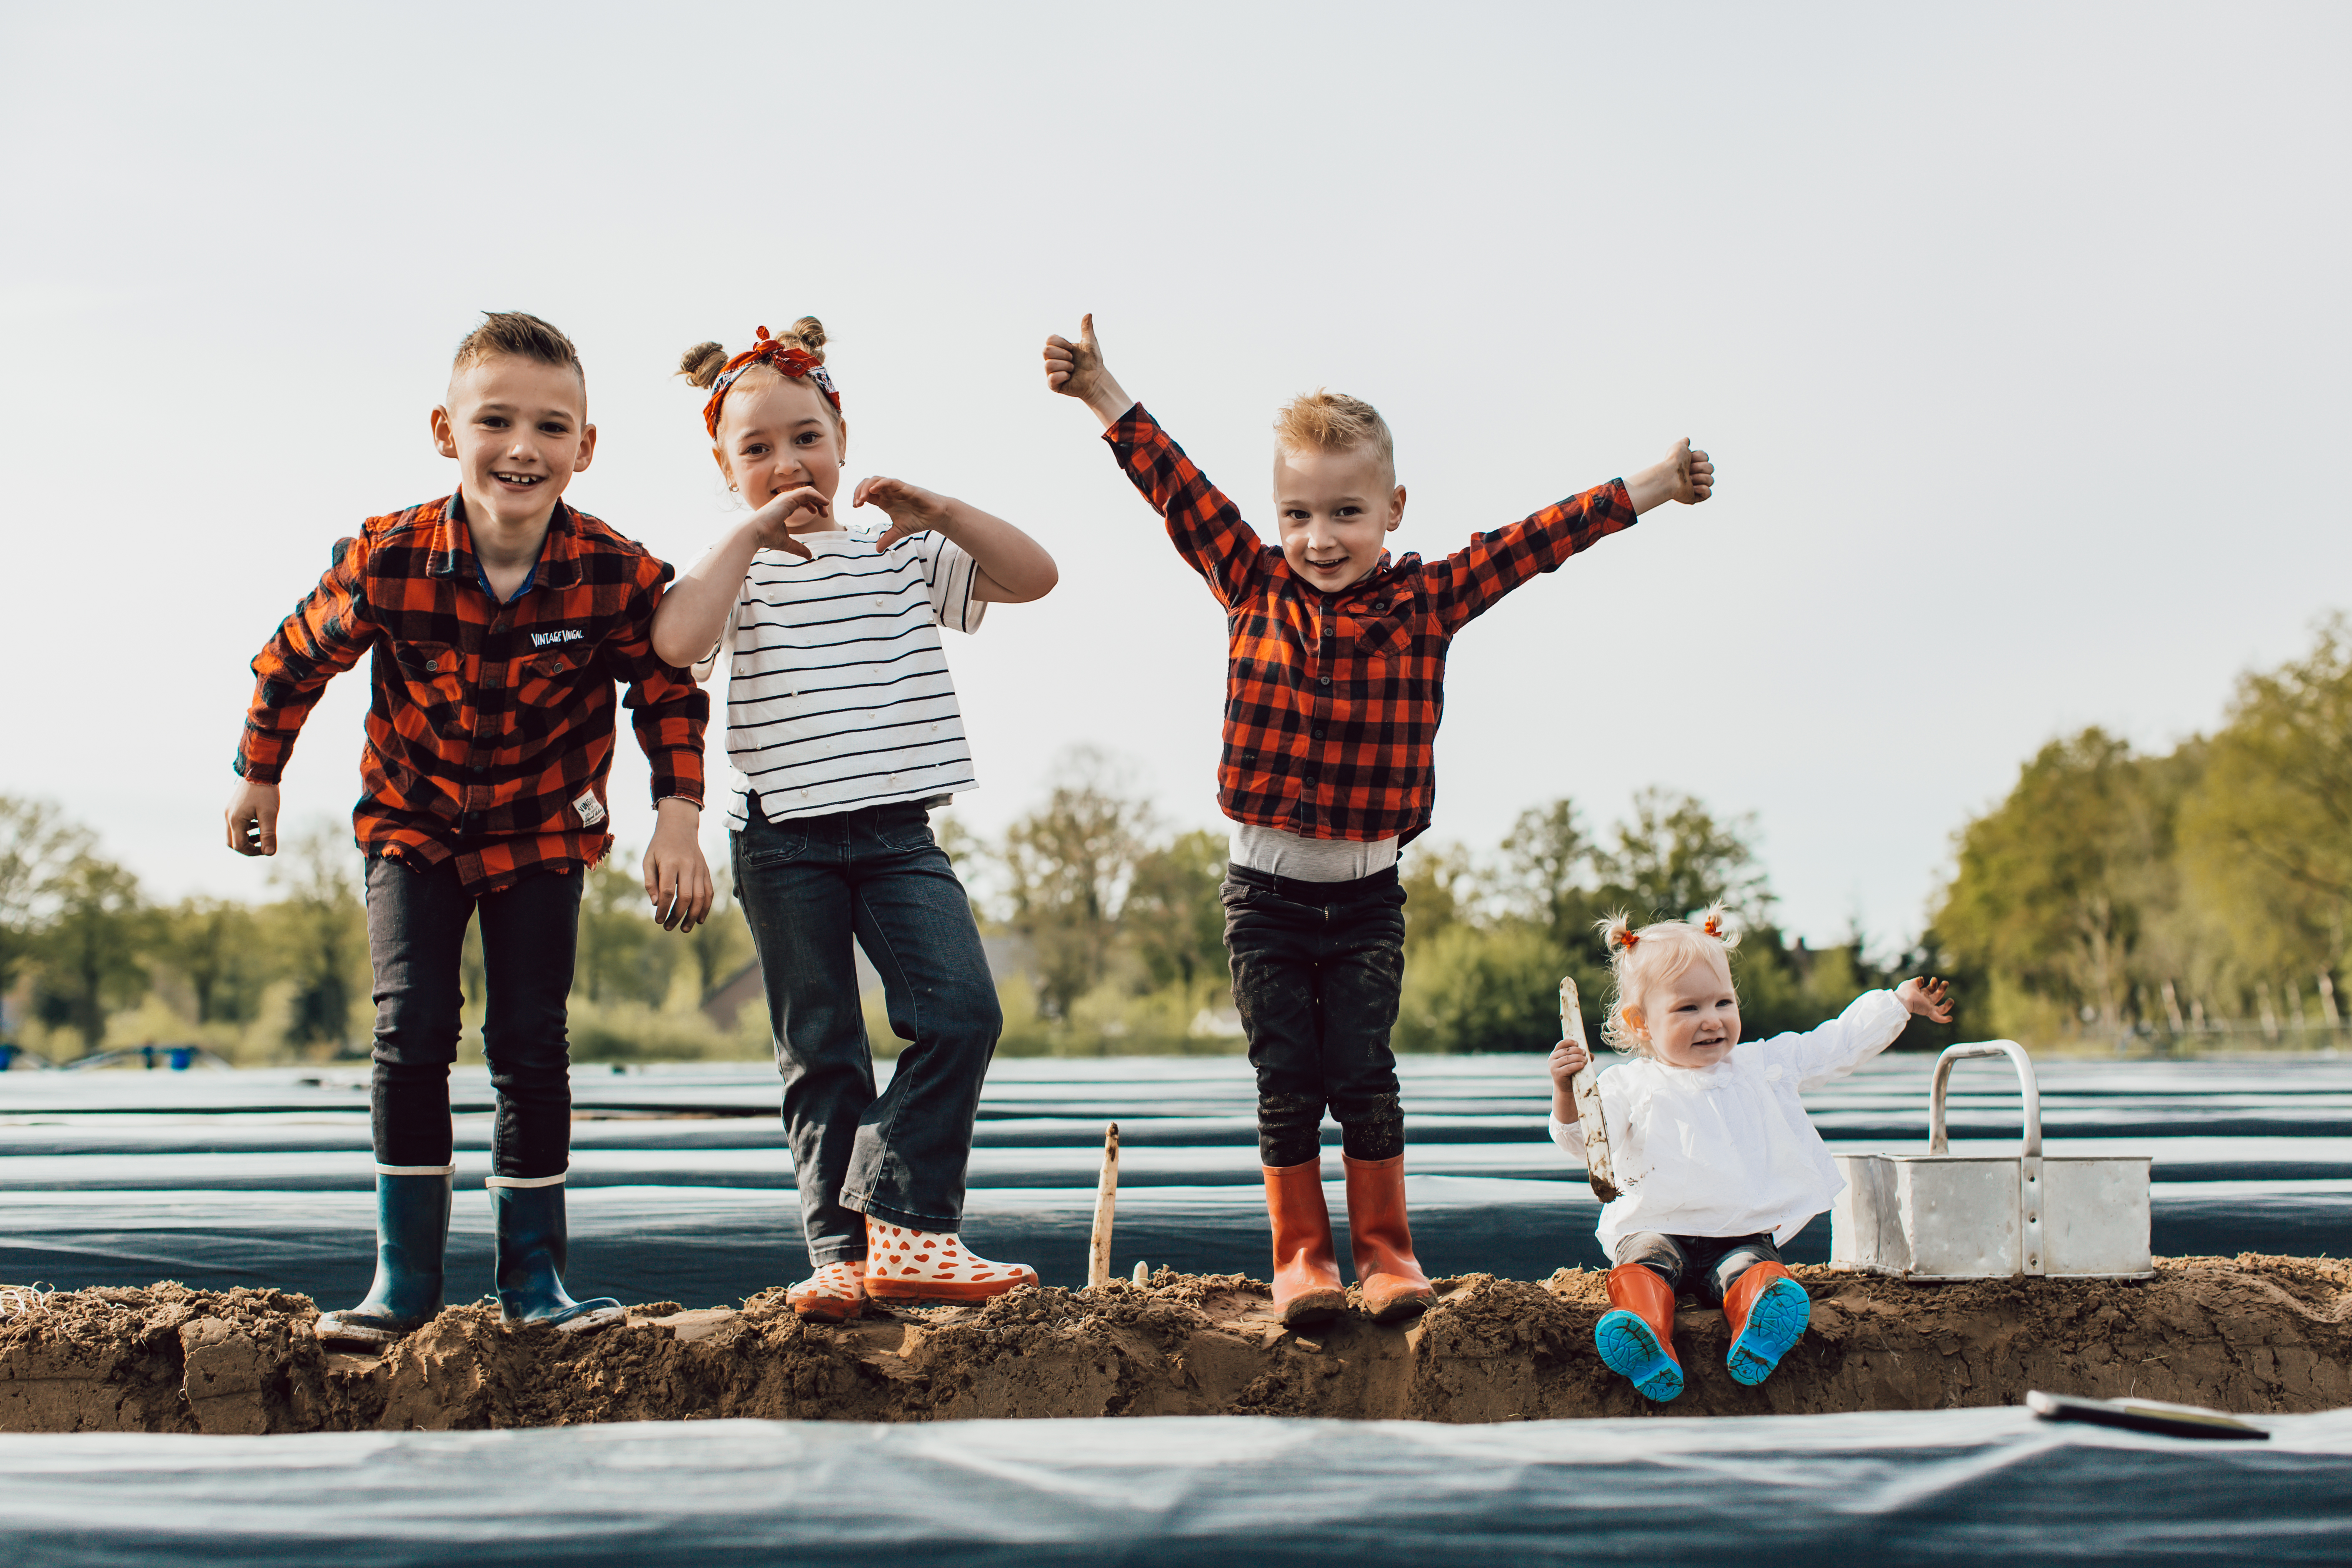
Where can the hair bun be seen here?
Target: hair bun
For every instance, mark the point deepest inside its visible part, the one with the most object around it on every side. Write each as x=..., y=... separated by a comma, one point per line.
x=808, y=332
x=701, y=364
x=1617, y=933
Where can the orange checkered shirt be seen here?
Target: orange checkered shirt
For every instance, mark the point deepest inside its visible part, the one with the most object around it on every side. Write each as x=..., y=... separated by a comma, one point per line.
x=1332, y=700
x=490, y=735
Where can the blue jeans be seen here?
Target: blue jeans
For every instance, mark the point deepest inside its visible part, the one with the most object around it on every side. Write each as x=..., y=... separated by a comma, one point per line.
x=807, y=884
x=1318, y=969
x=417, y=930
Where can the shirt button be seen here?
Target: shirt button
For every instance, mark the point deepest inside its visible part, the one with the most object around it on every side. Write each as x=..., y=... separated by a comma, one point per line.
x=1318, y=734
x=1327, y=680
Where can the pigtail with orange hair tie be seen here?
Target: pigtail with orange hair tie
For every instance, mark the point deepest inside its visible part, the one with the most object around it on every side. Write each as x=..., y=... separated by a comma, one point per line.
x=1713, y=924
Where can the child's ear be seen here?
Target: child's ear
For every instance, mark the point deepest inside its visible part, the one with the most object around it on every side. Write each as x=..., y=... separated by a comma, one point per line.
x=444, y=440
x=719, y=458
x=1396, y=509
x=587, y=449
x=1632, y=1015
x=841, y=441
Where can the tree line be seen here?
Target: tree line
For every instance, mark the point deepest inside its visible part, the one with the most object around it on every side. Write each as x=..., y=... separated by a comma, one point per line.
x=2198, y=893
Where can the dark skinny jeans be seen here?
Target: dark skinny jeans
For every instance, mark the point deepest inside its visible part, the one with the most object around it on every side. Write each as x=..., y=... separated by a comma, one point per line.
x=809, y=885
x=417, y=933
x=1318, y=968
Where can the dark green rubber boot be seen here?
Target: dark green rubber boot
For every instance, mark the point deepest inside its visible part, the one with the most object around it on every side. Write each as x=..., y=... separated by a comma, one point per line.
x=412, y=1229
x=531, y=1262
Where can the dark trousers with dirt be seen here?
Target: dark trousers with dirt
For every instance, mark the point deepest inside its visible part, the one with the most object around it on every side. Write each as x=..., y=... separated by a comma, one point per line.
x=1318, y=969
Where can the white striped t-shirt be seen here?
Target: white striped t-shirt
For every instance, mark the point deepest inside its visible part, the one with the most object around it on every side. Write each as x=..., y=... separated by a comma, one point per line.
x=838, y=694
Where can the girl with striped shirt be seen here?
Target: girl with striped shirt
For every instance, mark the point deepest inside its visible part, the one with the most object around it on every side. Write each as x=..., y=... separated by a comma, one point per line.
x=842, y=727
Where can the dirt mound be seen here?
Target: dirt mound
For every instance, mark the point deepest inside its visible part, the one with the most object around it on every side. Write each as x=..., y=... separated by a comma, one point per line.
x=2249, y=1334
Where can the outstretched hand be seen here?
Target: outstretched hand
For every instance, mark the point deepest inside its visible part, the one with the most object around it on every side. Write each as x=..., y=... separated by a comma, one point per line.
x=1076, y=370
x=912, y=509
x=1928, y=998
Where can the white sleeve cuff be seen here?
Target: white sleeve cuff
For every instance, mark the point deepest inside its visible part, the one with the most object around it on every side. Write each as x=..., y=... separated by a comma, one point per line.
x=1568, y=1135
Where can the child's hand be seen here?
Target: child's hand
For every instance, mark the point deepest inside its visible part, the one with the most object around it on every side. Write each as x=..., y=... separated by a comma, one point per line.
x=1076, y=370
x=1685, y=476
x=772, y=523
x=912, y=509
x=1928, y=998
x=1568, y=1059
x=677, y=878
x=252, y=818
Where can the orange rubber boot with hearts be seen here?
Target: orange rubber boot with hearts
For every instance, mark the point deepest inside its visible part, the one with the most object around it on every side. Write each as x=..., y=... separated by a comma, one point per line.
x=1386, y=1271
x=1306, y=1287
x=835, y=1293
x=903, y=1264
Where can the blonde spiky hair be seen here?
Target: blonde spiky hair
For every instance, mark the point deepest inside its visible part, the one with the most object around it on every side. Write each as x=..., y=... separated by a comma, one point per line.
x=1324, y=421
x=1656, y=954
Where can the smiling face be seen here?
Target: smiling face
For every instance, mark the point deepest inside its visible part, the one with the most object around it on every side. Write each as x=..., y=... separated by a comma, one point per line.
x=519, y=429
x=778, y=434
x=1336, y=511
x=1692, y=1020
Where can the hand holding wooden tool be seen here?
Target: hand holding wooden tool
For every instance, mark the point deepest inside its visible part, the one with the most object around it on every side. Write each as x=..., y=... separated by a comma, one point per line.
x=1586, y=1086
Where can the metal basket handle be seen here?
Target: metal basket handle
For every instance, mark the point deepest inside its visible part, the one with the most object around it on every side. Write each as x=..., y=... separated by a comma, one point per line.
x=1936, y=1141
x=2032, y=1259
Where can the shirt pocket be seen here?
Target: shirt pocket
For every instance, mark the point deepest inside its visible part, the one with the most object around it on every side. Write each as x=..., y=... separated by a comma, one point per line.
x=432, y=671
x=1383, y=643
x=549, y=678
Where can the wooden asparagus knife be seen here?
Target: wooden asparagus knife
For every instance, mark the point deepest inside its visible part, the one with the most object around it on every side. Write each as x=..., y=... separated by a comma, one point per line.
x=1106, y=1209
x=1586, y=1086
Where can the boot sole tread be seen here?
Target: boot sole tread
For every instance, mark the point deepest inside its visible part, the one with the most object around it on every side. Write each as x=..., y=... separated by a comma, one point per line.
x=1776, y=1321
x=1630, y=1348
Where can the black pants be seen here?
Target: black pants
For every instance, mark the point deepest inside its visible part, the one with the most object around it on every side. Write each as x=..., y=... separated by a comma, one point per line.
x=416, y=932
x=1316, y=970
x=1719, y=1260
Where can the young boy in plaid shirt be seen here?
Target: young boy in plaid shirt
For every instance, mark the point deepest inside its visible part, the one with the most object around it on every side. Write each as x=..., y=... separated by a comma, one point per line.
x=1334, y=688
x=499, y=619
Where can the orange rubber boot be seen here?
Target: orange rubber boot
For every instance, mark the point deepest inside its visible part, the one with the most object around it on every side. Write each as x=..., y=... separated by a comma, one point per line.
x=835, y=1293
x=1768, y=1311
x=1391, y=1280
x=1636, y=1336
x=1306, y=1286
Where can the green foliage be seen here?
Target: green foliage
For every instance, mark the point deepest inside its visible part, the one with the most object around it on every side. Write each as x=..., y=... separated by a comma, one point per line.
x=1173, y=912
x=90, y=951
x=1069, y=865
x=320, y=932
x=2204, y=890
x=624, y=956
x=1482, y=988
x=214, y=945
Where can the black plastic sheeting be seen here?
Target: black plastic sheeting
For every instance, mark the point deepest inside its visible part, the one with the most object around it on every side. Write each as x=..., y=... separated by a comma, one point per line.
x=1912, y=1489
x=681, y=1190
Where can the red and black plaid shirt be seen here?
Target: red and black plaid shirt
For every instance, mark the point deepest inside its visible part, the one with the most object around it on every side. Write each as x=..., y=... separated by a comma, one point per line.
x=1332, y=700
x=490, y=735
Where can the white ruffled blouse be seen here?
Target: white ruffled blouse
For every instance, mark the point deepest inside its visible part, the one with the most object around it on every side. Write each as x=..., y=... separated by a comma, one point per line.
x=1727, y=1150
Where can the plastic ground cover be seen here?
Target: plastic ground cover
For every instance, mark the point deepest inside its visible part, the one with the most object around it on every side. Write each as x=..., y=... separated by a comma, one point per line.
x=1952, y=1487
x=681, y=1189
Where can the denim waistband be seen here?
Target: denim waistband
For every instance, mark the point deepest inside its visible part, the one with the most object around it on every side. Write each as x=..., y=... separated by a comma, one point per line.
x=1326, y=893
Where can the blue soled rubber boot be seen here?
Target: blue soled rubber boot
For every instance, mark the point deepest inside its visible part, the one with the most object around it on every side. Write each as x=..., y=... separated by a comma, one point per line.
x=1768, y=1311
x=530, y=1221
x=1636, y=1336
x=412, y=1230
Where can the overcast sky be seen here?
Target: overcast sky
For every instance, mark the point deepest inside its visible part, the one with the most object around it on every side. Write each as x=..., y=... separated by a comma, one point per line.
x=2017, y=333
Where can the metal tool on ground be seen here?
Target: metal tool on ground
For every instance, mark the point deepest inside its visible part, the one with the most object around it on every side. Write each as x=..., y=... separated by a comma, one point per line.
x=1106, y=1209
x=1943, y=1216
x=1586, y=1089
x=2144, y=1416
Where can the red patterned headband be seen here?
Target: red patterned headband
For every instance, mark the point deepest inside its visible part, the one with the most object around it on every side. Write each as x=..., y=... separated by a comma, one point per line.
x=787, y=360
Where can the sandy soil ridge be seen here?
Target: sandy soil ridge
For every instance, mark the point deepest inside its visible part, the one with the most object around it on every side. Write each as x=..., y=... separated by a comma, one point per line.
x=2249, y=1335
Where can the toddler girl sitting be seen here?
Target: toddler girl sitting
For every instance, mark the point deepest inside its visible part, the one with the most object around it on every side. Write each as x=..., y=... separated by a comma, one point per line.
x=1715, y=1161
